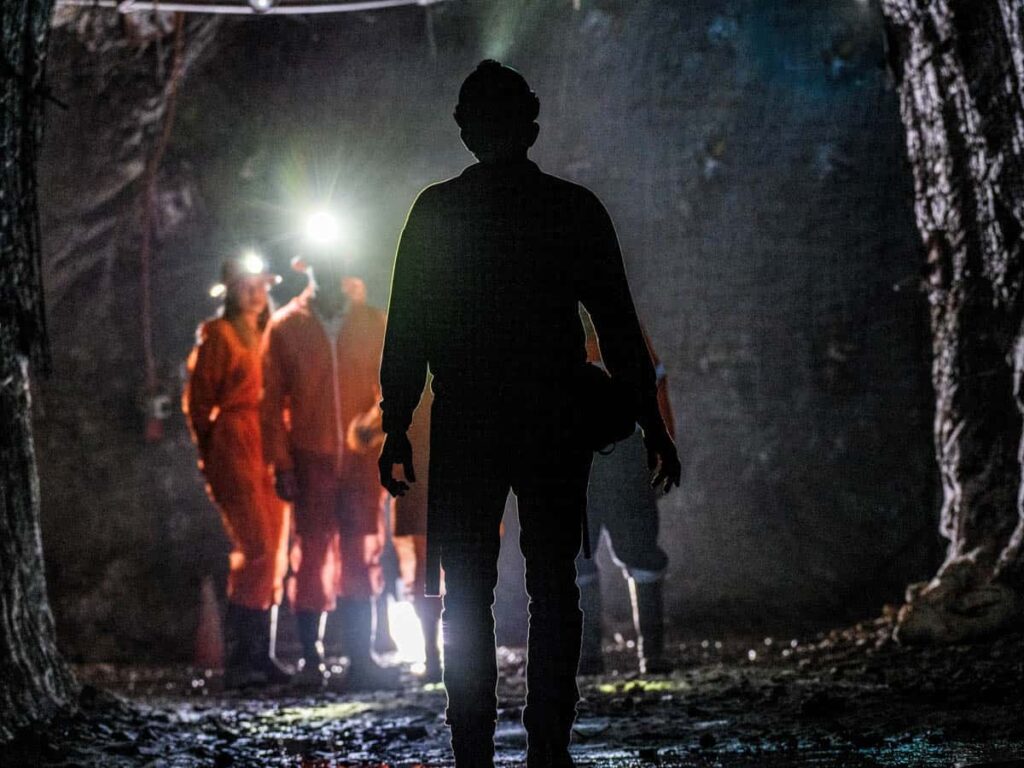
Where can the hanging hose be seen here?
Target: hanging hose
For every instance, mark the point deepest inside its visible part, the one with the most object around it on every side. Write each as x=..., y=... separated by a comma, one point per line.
x=157, y=403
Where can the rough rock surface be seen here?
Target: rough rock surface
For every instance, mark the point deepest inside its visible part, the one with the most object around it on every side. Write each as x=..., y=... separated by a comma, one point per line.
x=960, y=70
x=34, y=681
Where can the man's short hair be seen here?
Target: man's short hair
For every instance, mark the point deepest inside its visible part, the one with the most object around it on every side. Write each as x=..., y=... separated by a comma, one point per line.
x=496, y=93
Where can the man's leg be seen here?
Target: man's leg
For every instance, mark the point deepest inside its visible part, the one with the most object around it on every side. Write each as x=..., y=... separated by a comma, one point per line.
x=361, y=582
x=632, y=525
x=412, y=567
x=316, y=532
x=470, y=561
x=552, y=499
x=428, y=608
x=469, y=482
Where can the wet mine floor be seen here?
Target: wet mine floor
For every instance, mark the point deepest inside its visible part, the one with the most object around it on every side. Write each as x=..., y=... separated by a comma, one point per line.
x=847, y=699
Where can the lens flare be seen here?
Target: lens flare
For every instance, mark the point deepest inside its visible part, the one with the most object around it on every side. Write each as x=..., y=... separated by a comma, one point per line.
x=322, y=228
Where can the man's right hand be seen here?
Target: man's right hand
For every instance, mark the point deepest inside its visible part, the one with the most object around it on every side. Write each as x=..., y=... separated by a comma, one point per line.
x=396, y=450
x=285, y=484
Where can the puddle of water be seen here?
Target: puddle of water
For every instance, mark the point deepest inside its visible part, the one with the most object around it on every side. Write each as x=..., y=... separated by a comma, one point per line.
x=333, y=711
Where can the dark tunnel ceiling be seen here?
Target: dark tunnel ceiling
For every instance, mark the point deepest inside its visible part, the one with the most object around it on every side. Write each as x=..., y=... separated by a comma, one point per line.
x=255, y=7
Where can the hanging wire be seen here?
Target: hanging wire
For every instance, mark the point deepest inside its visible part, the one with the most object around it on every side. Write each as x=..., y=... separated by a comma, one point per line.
x=149, y=195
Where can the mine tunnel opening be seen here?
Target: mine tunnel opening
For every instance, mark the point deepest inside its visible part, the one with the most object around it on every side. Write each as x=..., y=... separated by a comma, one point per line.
x=754, y=163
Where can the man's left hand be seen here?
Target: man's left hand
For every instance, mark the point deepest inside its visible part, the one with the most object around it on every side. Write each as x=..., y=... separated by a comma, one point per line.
x=662, y=460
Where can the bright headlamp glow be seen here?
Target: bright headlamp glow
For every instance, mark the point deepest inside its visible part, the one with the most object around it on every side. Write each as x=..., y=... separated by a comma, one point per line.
x=253, y=263
x=262, y=6
x=218, y=290
x=322, y=228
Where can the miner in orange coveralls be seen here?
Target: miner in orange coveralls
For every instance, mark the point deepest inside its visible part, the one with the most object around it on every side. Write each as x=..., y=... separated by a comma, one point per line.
x=221, y=400
x=622, y=505
x=321, y=357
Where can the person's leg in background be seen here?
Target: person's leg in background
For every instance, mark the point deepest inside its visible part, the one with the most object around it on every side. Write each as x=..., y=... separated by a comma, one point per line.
x=428, y=608
x=383, y=642
x=631, y=521
x=361, y=582
x=412, y=567
x=552, y=493
x=316, y=580
x=254, y=520
x=588, y=579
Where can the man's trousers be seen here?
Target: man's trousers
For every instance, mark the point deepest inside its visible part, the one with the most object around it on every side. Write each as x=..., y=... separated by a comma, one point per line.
x=477, y=455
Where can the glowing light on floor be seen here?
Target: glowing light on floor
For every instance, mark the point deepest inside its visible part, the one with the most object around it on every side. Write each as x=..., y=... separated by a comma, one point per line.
x=407, y=633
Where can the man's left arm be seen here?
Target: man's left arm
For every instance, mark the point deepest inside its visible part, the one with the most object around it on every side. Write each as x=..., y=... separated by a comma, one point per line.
x=604, y=291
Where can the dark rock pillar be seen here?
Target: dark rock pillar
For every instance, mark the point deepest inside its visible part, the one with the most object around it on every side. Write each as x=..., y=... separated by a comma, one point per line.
x=35, y=681
x=959, y=65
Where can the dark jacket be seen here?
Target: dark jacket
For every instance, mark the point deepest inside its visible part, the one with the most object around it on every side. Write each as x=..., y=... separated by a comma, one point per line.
x=490, y=270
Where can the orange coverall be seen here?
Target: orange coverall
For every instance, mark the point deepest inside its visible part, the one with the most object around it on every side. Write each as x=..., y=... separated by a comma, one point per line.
x=339, y=507
x=221, y=402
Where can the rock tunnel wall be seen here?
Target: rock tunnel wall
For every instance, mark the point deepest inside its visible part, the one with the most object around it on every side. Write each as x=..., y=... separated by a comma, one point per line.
x=751, y=157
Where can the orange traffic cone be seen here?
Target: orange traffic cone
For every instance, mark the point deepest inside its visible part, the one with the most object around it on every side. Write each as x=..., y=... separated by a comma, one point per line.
x=209, y=650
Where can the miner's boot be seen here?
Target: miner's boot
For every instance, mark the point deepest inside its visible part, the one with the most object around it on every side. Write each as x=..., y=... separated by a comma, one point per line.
x=382, y=641
x=591, y=658
x=429, y=611
x=364, y=674
x=262, y=649
x=310, y=626
x=237, y=628
x=649, y=622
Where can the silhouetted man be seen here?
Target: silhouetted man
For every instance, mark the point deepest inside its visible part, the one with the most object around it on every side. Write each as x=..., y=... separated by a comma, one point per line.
x=490, y=271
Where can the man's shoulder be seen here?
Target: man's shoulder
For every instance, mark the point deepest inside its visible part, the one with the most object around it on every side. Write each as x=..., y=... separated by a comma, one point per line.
x=211, y=329
x=571, y=191
x=436, y=193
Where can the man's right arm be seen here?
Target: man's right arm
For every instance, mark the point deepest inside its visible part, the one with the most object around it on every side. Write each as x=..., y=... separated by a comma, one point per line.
x=404, y=360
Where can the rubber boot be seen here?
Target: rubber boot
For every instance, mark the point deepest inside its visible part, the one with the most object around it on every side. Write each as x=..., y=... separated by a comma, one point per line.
x=383, y=643
x=591, y=657
x=364, y=674
x=310, y=626
x=649, y=622
x=236, y=644
x=262, y=648
x=429, y=611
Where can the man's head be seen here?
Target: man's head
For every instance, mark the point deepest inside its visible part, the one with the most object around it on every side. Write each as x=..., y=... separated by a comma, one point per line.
x=497, y=113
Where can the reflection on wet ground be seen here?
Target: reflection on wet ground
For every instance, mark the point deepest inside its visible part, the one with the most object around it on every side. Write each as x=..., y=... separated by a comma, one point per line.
x=848, y=699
